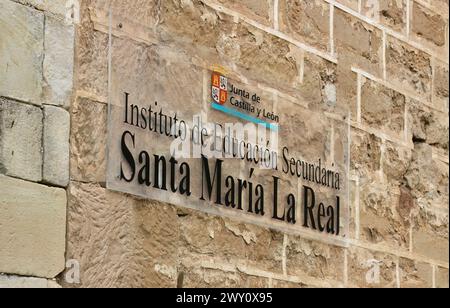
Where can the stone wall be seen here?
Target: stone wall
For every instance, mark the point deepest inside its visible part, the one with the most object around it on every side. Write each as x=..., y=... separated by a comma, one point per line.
x=36, y=86
x=387, y=62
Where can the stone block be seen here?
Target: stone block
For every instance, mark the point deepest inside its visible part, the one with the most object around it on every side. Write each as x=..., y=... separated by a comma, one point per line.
x=347, y=89
x=56, y=146
x=92, y=66
x=218, y=38
x=414, y=274
x=358, y=44
x=428, y=26
x=140, y=13
x=187, y=22
x=351, y=4
x=17, y=282
x=260, y=11
x=430, y=235
x=365, y=152
x=20, y=140
x=440, y=86
x=385, y=215
x=408, y=68
x=383, y=109
x=120, y=241
x=202, y=234
x=310, y=259
x=390, y=13
x=306, y=21
x=88, y=141
x=440, y=6
x=58, y=67
x=318, y=85
x=442, y=277
x=32, y=228
x=267, y=58
x=21, y=52
x=57, y=7
x=427, y=178
x=370, y=269
x=427, y=125
x=396, y=161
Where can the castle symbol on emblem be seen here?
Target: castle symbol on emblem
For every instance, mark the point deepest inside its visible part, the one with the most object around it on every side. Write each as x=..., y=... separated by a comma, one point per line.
x=219, y=89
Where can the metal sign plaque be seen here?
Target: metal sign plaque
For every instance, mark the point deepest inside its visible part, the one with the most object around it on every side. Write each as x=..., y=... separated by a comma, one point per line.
x=209, y=139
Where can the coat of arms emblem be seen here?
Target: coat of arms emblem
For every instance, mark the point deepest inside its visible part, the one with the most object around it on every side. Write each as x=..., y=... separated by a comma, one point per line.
x=219, y=88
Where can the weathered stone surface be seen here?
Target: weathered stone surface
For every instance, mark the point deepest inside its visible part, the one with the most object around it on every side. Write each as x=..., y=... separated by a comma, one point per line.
x=92, y=56
x=56, y=146
x=428, y=25
x=358, y=44
x=396, y=161
x=88, y=141
x=440, y=86
x=352, y=4
x=192, y=22
x=429, y=126
x=427, y=178
x=219, y=39
x=93, y=217
x=146, y=72
x=385, y=214
x=370, y=269
x=20, y=140
x=58, y=62
x=157, y=234
x=345, y=88
x=306, y=21
x=391, y=13
x=200, y=277
x=53, y=6
x=202, y=235
x=318, y=84
x=139, y=239
x=21, y=52
x=383, y=109
x=365, y=152
x=261, y=11
x=408, y=67
x=32, y=228
x=142, y=13
x=414, y=274
x=267, y=58
x=314, y=127
x=430, y=234
x=306, y=258
x=442, y=278
x=287, y=284
x=440, y=6
x=353, y=209
x=16, y=282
